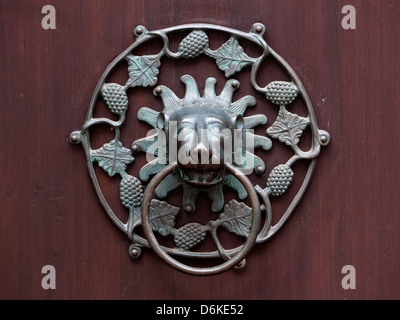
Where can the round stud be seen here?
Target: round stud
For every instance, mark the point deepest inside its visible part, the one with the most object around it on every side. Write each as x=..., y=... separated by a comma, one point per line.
x=189, y=208
x=75, y=137
x=235, y=84
x=135, y=149
x=324, y=138
x=260, y=170
x=259, y=28
x=139, y=30
x=135, y=252
x=158, y=90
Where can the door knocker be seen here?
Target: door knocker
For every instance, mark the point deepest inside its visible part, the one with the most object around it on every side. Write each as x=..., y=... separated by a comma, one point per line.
x=200, y=144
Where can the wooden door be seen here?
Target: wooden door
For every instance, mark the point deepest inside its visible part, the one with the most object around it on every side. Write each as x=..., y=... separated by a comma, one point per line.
x=50, y=213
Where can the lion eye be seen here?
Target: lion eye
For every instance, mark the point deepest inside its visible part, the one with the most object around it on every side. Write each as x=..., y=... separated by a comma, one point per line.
x=214, y=127
x=184, y=129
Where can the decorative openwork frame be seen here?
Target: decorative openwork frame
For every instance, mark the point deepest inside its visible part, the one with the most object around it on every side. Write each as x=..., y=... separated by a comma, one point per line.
x=157, y=216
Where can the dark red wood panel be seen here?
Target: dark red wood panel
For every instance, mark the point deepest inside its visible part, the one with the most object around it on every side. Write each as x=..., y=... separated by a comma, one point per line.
x=49, y=211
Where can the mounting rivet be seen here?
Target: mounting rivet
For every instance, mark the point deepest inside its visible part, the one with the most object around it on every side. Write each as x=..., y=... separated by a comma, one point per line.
x=135, y=148
x=324, y=138
x=75, y=137
x=260, y=170
x=158, y=90
x=235, y=84
x=139, y=30
x=135, y=252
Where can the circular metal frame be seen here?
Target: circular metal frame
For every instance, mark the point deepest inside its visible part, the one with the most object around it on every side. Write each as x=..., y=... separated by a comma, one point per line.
x=320, y=138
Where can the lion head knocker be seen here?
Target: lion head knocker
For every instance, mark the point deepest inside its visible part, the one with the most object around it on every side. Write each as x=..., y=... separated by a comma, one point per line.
x=198, y=132
x=201, y=143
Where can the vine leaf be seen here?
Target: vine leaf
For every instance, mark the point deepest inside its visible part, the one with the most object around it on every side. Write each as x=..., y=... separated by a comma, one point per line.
x=162, y=216
x=288, y=127
x=143, y=71
x=113, y=158
x=237, y=218
x=231, y=57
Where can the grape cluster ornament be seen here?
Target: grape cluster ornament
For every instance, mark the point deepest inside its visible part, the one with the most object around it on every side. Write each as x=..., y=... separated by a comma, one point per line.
x=220, y=114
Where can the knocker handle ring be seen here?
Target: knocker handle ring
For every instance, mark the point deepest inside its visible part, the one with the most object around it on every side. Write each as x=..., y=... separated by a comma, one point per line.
x=233, y=261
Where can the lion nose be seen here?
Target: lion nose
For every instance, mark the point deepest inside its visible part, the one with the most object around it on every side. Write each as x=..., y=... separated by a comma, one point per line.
x=201, y=154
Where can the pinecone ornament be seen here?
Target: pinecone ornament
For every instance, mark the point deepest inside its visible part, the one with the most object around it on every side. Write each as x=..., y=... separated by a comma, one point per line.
x=115, y=97
x=131, y=192
x=281, y=93
x=194, y=44
x=189, y=236
x=280, y=180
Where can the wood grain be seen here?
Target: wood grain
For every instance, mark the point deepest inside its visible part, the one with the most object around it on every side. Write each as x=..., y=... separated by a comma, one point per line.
x=50, y=214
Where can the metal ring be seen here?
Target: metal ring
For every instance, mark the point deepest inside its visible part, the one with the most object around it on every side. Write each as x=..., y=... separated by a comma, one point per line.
x=234, y=261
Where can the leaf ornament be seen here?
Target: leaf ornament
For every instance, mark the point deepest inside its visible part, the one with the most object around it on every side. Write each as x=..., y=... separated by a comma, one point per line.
x=113, y=158
x=288, y=127
x=143, y=71
x=162, y=216
x=231, y=57
x=237, y=218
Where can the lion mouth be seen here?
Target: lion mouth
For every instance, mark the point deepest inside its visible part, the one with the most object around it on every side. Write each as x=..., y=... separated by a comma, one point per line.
x=202, y=178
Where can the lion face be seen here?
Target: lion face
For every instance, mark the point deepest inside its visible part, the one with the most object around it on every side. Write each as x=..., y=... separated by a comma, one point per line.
x=204, y=130
x=204, y=134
